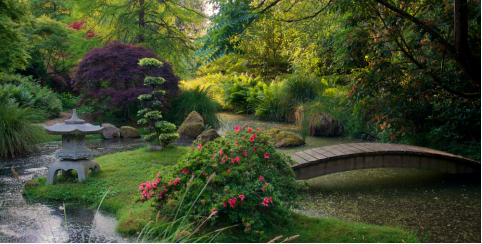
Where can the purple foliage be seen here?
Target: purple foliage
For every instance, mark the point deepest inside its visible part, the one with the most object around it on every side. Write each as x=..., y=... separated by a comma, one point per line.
x=112, y=77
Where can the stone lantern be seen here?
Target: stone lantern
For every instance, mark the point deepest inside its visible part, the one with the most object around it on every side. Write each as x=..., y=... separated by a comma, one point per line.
x=73, y=155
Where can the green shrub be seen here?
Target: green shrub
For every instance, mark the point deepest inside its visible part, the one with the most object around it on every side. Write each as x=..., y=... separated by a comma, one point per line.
x=167, y=132
x=242, y=178
x=240, y=93
x=17, y=134
x=68, y=100
x=41, y=98
x=195, y=99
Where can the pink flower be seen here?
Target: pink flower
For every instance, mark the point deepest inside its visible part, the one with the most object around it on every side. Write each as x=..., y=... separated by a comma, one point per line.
x=237, y=159
x=241, y=197
x=214, y=211
x=271, y=199
x=199, y=146
x=212, y=156
x=141, y=187
x=262, y=188
x=191, y=148
x=143, y=184
x=144, y=192
x=255, y=150
x=236, y=129
x=232, y=202
x=266, y=183
x=158, y=174
x=252, y=138
x=225, y=204
x=236, y=143
x=221, y=152
x=169, y=183
x=244, y=154
x=165, y=188
x=265, y=202
x=232, y=160
x=204, y=173
x=154, y=185
x=250, y=130
x=157, y=181
x=261, y=178
x=259, y=129
x=228, y=171
x=148, y=187
x=184, y=171
x=266, y=155
x=176, y=181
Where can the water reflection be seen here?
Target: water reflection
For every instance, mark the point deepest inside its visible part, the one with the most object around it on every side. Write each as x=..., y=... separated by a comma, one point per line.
x=24, y=221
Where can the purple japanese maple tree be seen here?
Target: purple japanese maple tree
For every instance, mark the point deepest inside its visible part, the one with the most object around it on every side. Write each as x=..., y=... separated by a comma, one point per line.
x=111, y=78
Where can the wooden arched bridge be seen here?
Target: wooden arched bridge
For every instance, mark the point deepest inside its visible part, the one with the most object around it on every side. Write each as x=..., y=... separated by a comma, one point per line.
x=344, y=157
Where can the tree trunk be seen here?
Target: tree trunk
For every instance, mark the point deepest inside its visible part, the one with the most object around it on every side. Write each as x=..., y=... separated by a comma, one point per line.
x=141, y=21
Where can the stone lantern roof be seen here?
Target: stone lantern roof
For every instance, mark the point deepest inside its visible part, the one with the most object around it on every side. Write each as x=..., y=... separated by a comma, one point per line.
x=73, y=126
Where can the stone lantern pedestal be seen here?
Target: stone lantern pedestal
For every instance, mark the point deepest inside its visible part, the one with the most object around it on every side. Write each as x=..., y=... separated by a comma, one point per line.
x=73, y=155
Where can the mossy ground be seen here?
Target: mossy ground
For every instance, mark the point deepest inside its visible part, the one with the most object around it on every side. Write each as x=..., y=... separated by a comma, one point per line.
x=124, y=172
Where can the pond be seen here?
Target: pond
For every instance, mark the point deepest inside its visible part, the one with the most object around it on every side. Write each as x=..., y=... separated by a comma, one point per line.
x=439, y=207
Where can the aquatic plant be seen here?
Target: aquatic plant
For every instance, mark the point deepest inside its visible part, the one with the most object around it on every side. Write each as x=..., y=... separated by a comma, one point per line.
x=252, y=184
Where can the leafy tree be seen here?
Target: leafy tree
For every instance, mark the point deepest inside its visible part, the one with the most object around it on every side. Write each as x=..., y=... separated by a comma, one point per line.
x=13, y=51
x=54, y=9
x=163, y=131
x=168, y=27
x=111, y=78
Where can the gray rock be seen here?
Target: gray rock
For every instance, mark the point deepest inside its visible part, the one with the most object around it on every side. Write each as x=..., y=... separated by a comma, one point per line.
x=155, y=148
x=110, y=131
x=207, y=135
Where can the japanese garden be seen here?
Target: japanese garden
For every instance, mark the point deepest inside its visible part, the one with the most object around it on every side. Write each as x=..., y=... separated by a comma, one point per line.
x=240, y=121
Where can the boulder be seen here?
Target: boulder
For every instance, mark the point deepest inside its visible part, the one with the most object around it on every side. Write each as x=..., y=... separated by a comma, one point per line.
x=154, y=148
x=207, y=135
x=191, y=127
x=129, y=132
x=281, y=138
x=324, y=124
x=110, y=131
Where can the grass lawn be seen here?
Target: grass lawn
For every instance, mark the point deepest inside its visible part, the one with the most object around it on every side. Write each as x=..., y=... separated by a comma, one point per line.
x=124, y=172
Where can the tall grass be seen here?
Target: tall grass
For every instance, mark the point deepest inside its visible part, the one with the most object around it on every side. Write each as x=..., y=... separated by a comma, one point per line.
x=195, y=99
x=17, y=134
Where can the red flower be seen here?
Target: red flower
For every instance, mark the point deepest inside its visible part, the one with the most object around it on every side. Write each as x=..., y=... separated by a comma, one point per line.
x=232, y=202
x=244, y=154
x=158, y=174
x=236, y=129
x=265, y=202
x=252, y=138
x=255, y=150
x=237, y=159
x=261, y=178
x=184, y=171
x=266, y=183
x=228, y=171
x=271, y=199
x=204, y=173
x=262, y=188
x=266, y=155
x=221, y=152
x=148, y=187
x=214, y=211
x=236, y=143
x=191, y=148
x=169, y=183
x=225, y=204
x=199, y=146
x=177, y=180
x=241, y=197
x=232, y=160
x=250, y=130
x=165, y=188
x=141, y=187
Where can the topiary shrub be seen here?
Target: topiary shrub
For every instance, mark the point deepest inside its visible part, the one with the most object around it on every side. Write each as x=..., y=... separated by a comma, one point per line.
x=242, y=179
x=163, y=131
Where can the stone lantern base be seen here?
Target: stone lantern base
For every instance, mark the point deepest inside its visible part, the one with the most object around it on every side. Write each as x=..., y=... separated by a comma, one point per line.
x=81, y=166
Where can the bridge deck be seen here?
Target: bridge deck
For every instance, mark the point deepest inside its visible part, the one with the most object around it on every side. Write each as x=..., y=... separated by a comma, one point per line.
x=319, y=161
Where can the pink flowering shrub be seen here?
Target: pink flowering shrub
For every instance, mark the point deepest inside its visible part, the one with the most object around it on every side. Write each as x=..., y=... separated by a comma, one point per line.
x=251, y=183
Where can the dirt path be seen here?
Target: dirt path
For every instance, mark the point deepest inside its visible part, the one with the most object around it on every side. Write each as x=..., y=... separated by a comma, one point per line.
x=65, y=115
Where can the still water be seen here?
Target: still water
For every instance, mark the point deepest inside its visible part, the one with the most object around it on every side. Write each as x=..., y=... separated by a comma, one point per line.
x=438, y=207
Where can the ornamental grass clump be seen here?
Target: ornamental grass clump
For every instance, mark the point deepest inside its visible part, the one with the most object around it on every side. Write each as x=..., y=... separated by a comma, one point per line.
x=241, y=177
x=163, y=132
